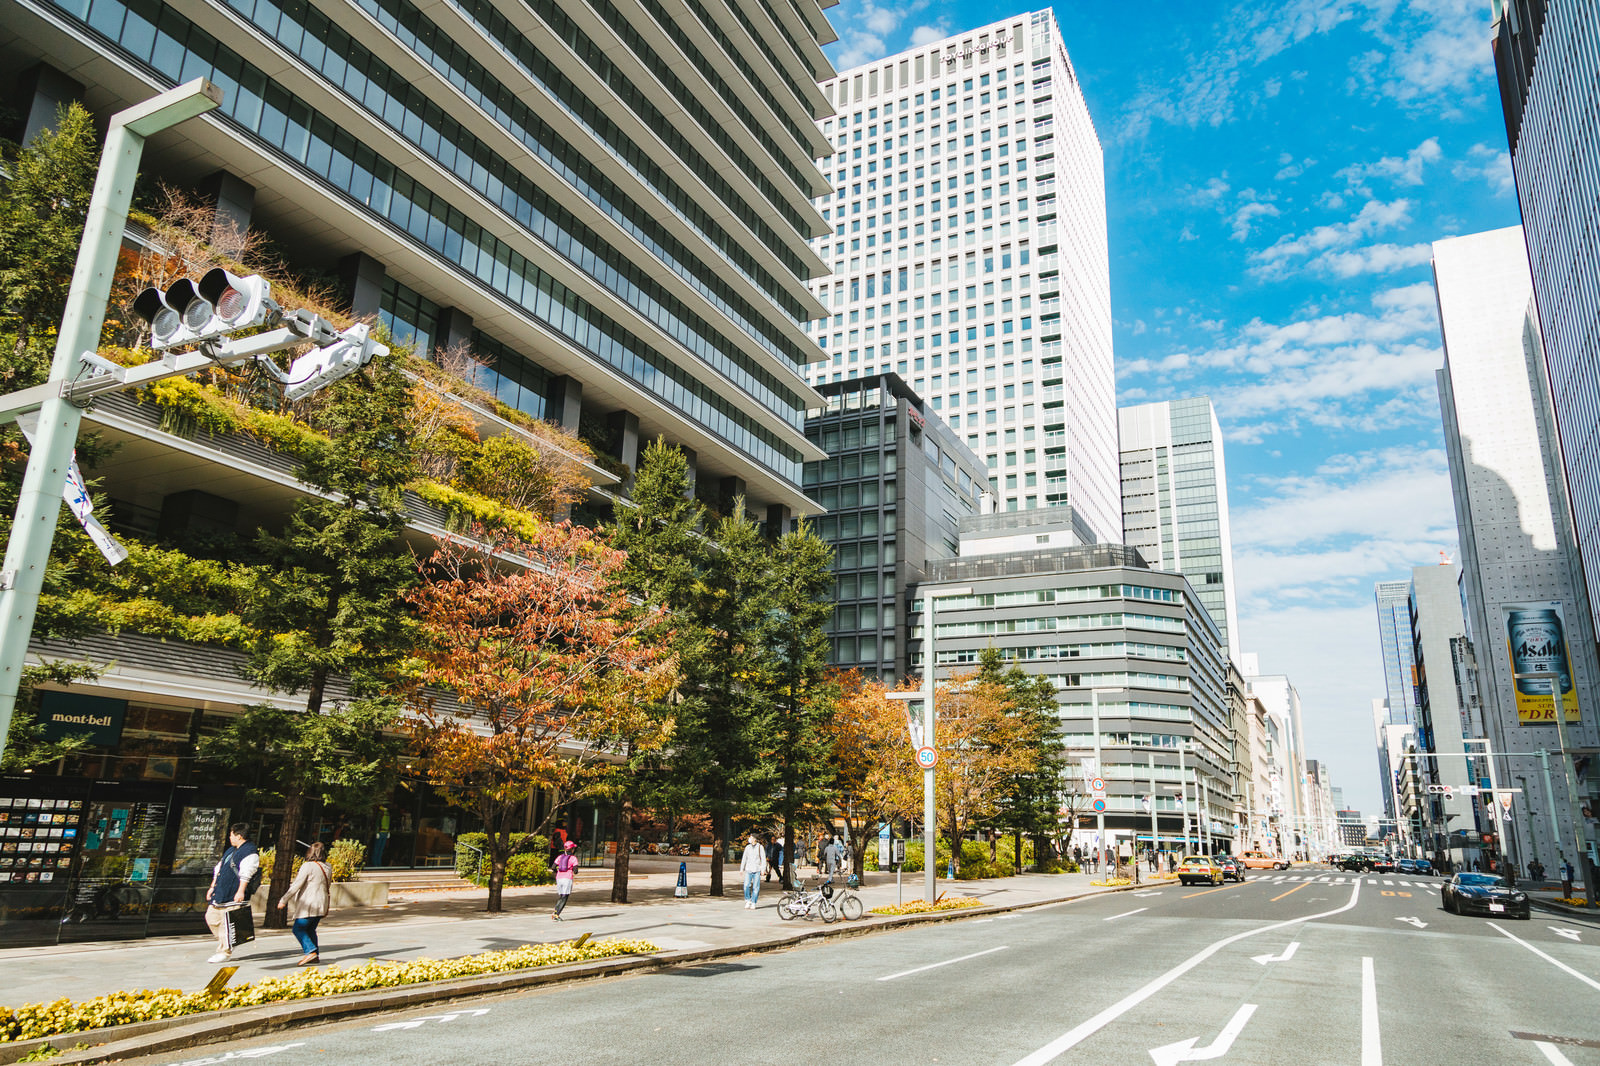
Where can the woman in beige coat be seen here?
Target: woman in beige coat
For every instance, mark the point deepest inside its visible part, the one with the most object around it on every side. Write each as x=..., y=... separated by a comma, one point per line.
x=308, y=900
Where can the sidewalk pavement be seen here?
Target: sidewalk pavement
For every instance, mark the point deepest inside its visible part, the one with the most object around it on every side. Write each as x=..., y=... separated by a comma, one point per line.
x=443, y=924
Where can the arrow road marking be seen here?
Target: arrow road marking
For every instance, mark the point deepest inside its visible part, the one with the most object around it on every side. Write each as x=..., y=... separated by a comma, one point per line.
x=1288, y=953
x=1185, y=1051
x=416, y=1023
x=1591, y=982
x=1418, y=922
x=233, y=1056
x=1570, y=934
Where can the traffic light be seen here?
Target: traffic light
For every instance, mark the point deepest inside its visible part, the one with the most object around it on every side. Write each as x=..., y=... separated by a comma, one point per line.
x=353, y=349
x=221, y=303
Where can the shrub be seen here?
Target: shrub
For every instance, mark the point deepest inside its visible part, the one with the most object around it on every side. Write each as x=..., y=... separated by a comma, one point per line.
x=347, y=858
x=269, y=856
x=922, y=906
x=36, y=1020
x=472, y=865
x=529, y=869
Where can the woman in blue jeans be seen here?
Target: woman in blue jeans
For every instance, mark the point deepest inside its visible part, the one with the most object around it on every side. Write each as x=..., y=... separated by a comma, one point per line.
x=308, y=900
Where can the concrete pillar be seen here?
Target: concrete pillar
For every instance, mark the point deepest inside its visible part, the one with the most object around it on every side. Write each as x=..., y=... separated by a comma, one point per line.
x=566, y=403
x=729, y=489
x=236, y=200
x=778, y=517
x=622, y=432
x=694, y=474
x=40, y=93
x=361, y=280
x=455, y=331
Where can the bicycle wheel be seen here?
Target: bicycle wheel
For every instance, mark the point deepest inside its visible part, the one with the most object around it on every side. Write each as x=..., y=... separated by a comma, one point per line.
x=851, y=908
x=828, y=910
x=786, y=906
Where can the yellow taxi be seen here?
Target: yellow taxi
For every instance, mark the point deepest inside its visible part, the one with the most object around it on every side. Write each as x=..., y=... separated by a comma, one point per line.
x=1197, y=868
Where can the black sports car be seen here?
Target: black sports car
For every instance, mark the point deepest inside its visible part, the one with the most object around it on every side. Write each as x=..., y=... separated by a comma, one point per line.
x=1483, y=894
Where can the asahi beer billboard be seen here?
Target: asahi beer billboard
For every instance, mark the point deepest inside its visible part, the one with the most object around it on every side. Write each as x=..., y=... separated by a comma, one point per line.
x=1536, y=638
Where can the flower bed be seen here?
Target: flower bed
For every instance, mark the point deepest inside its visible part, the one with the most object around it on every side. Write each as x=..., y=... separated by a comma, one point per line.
x=922, y=906
x=1112, y=882
x=119, y=1008
x=1573, y=901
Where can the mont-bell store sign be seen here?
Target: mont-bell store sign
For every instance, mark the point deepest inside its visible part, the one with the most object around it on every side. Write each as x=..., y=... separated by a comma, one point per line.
x=65, y=714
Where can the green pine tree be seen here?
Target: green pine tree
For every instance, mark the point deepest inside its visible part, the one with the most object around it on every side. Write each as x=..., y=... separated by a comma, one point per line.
x=1031, y=798
x=330, y=599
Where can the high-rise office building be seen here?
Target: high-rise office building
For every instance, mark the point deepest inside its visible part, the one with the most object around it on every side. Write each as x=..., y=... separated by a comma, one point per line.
x=1436, y=623
x=610, y=207
x=1549, y=71
x=1394, y=644
x=895, y=488
x=968, y=253
x=1524, y=591
x=1175, y=500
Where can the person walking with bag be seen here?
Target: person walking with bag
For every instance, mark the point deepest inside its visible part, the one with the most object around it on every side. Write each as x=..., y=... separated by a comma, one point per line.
x=309, y=899
x=752, y=864
x=566, y=871
x=233, y=880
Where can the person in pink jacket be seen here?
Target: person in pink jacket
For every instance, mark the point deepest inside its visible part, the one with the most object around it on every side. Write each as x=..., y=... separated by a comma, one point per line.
x=566, y=870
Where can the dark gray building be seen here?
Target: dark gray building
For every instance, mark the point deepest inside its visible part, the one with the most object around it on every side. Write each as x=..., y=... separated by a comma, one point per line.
x=1096, y=619
x=894, y=488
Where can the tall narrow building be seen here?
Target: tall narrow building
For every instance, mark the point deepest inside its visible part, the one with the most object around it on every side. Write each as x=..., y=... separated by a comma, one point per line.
x=1549, y=71
x=1394, y=643
x=1526, y=608
x=1175, y=500
x=1435, y=625
x=968, y=256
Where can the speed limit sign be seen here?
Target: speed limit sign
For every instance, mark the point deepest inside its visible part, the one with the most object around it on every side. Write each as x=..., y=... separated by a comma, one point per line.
x=927, y=757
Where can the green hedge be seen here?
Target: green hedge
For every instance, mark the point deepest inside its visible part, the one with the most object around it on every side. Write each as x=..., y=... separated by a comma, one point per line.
x=529, y=863
x=974, y=857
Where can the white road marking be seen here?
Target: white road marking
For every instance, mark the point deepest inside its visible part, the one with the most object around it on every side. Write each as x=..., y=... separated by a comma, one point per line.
x=947, y=962
x=1067, y=1041
x=1570, y=934
x=414, y=1023
x=232, y=1056
x=1008, y=917
x=1288, y=953
x=1126, y=914
x=1371, y=1044
x=1591, y=982
x=1185, y=1051
x=980, y=921
x=1418, y=922
x=1141, y=895
x=1550, y=1052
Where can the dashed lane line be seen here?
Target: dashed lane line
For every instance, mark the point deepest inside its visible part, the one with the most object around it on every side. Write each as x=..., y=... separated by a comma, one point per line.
x=1371, y=1043
x=1124, y=914
x=1292, y=891
x=1591, y=982
x=946, y=962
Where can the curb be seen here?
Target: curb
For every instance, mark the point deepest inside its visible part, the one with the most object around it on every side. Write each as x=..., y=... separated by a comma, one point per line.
x=137, y=1039
x=1556, y=907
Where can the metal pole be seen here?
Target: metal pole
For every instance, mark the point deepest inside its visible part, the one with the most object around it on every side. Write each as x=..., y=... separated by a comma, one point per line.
x=1155, y=835
x=39, y=503
x=1205, y=812
x=930, y=853
x=1573, y=809
x=1550, y=806
x=1183, y=797
x=1100, y=772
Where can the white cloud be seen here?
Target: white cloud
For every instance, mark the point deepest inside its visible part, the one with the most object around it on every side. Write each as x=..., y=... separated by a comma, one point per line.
x=1489, y=164
x=1246, y=215
x=1399, y=170
x=1373, y=259
x=928, y=34
x=1328, y=249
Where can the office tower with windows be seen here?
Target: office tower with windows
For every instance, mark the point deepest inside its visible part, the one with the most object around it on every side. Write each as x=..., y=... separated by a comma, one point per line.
x=895, y=488
x=1522, y=577
x=967, y=244
x=1394, y=644
x=1175, y=500
x=1436, y=624
x=1549, y=72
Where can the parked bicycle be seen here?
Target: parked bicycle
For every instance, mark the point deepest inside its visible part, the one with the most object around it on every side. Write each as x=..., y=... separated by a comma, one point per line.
x=849, y=904
x=809, y=903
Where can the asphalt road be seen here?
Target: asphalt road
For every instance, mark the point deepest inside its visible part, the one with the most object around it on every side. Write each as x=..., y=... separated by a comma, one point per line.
x=1310, y=966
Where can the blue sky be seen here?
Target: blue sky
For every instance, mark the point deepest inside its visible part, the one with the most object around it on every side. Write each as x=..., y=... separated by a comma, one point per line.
x=1275, y=173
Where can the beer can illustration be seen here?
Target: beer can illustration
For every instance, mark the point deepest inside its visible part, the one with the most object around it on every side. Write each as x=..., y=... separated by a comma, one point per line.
x=1538, y=645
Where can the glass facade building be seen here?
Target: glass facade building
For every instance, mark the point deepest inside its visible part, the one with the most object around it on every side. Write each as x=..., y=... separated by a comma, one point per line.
x=966, y=238
x=1393, y=600
x=1548, y=63
x=1175, y=500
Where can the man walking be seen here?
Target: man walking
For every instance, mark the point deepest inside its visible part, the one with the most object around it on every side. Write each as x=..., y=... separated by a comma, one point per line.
x=752, y=864
x=232, y=882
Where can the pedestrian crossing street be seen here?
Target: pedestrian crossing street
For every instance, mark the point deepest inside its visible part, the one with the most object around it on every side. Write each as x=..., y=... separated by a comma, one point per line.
x=1347, y=879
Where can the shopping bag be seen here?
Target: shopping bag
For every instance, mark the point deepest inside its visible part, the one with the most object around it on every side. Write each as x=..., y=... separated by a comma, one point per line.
x=241, y=925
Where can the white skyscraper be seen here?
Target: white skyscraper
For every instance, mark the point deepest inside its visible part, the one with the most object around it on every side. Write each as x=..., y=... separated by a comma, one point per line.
x=1525, y=596
x=1175, y=500
x=968, y=250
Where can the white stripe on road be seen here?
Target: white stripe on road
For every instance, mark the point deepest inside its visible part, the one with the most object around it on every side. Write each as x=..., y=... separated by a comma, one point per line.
x=1556, y=1057
x=1371, y=1045
x=1067, y=1041
x=1591, y=982
x=1141, y=910
x=947, y=962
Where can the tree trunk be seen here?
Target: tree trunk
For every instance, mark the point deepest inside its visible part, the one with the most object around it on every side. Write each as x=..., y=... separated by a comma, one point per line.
x=719, y=843
x=619, y=871
x=1016, y=860
x=283, y=862
x=787, y=873
x=499, y=843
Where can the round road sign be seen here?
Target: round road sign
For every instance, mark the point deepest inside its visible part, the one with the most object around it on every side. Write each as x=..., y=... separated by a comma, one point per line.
x=1097, y=785
x=1099, y=806
x=927, y=757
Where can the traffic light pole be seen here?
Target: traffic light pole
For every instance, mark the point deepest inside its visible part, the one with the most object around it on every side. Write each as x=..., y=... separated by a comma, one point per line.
x=34, y=526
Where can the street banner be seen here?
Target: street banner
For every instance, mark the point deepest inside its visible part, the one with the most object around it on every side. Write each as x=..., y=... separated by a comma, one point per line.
x=76, y=494
x=914, y=723
x=1536, y=643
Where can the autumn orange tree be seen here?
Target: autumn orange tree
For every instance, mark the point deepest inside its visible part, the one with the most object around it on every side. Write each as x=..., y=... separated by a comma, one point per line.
x=875, y=777
x=983, y=747
x=552, y=666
